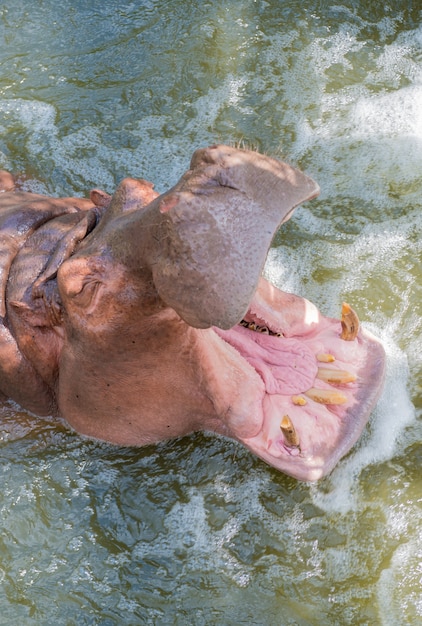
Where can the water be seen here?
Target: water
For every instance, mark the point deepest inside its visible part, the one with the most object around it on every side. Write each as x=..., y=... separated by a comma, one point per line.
x=198, y=530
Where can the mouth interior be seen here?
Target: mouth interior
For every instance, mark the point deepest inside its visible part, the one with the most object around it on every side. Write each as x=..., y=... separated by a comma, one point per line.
x=286, y=364
x=319, y=387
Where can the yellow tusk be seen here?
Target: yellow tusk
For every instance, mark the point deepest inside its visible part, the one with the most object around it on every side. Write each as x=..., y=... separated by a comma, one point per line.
x=290, y=435
x=299, y=400
x=349, y=323
x=326, y=396
x=335, y=376
x=325, y=357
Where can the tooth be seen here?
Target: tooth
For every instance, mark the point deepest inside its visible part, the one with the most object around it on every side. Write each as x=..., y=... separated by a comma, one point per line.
x=263, y=329
x=290, y=435
x=326, y=396
x=325, y=357
x=335, y=376
x=299, y=400
x=349, y=323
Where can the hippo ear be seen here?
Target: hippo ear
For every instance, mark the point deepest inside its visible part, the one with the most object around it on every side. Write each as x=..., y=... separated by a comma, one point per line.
x=131, y=195
x=215, y=234
x=7, y=181
x=65, y=248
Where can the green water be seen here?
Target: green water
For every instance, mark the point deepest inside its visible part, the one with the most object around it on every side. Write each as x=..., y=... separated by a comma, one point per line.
x=198, y=531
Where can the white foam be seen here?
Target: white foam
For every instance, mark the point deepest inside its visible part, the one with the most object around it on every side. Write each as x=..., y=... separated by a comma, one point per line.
x=377, y=254
x=399, y=586
x=359, y=139
x=85, y=158
x=379, y=443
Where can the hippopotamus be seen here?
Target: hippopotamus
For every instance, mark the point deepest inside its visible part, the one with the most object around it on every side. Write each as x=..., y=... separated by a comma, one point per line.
x=140, y=317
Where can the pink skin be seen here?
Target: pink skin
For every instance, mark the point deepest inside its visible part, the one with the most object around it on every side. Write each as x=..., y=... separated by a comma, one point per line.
x=123, y=316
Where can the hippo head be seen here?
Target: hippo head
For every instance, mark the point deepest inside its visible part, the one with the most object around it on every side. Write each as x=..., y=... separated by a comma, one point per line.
x=165, y=325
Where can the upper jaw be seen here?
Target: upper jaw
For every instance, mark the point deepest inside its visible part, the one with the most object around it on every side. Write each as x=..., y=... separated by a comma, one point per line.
x=318, y=389
x=216, y=224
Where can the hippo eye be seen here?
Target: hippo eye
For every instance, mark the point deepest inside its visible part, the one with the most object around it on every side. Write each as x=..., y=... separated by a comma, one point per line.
x=87, y=297
x=79, y=285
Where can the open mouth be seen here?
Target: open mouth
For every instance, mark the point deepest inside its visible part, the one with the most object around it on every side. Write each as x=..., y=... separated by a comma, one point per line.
x=321, y=378
x=295, y=387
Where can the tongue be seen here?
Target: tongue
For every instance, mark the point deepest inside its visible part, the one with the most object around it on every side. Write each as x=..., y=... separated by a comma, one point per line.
x=287, y=366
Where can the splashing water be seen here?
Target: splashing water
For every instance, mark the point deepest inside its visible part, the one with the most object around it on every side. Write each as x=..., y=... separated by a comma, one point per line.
x=199, y=531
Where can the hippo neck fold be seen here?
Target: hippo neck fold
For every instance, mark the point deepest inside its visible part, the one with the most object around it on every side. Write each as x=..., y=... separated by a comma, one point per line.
x=22, y=215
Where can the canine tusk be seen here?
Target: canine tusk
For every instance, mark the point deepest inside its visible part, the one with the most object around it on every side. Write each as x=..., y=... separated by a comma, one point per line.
x=349, y=323
x=335, y=376
x=326, y=396
x=290, y=435
x=325, y=357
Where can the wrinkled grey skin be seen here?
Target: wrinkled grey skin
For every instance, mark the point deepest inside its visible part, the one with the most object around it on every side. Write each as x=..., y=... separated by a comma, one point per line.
x=108, y=305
